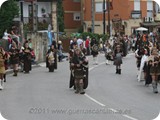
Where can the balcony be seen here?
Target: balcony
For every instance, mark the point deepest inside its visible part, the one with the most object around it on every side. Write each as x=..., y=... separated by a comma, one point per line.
x=157, y=18
x=36, y=14
x=39, y=19
x=42, y=23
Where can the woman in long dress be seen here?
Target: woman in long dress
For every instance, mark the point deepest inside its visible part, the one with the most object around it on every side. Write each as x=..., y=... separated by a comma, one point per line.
x=142, y=64
x=2, y=67
x=27, y=58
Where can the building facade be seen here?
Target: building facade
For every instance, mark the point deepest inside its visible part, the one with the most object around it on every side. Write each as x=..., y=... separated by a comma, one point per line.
x=38, y=14
x=72, y=15
x=125, y=15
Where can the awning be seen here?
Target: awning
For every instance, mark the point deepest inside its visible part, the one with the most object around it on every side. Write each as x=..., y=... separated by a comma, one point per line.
x=152, y=24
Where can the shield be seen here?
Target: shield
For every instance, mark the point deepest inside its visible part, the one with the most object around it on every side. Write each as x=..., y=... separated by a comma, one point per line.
x=95, y=48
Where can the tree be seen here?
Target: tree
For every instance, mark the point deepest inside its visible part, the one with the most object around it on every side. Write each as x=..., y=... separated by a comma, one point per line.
x=60, y=18
x=8, y=11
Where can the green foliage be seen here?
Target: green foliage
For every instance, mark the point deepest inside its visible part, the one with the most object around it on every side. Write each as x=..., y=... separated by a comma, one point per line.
x=8, y=11
x=60, y=13
x=80, y=30
x=104, y=37
x=41, y=26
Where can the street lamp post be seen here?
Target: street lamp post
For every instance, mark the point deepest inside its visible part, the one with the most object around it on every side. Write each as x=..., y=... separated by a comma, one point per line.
x=93, y=15
x=104, y=17
x=108, y=8
x=34, y=6
x=21, y=7
x=21, y=21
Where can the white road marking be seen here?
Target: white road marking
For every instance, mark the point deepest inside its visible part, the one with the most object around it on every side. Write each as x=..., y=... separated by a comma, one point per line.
x=113, y=110
x=129, y=117
x=103, y=105
x=96, y=66
x=95, y=100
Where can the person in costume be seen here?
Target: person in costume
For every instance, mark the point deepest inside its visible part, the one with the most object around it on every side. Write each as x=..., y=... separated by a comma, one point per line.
x=138, y=54
x=118, y=58
x=50, y=58
x=94, y=50
x=27, y=58
x=14, y=58
x=2, y=67
x=154, y=61
x=54, y=43
x=6, y=64
x=108, y=52
x=77, y=62
x=142, y=65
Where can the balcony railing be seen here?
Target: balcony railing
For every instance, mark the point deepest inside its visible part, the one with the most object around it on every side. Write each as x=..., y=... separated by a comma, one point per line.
x=42, y=23
x=39, y=19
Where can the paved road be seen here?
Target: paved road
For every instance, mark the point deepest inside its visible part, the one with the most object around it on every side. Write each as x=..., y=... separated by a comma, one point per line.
x=41, y=95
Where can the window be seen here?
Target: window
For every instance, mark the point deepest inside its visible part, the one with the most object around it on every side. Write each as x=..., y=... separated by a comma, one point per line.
x=77, y=16
x=149, y=8
x=30, y=10
x=76, y=0
x=149, y=13
x=137, y=5
x=99, y=7
x=136, y=14
x=157, y=8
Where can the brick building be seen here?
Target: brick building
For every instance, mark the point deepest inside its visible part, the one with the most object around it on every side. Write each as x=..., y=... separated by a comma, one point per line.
x=125, y=15
x=72, y=15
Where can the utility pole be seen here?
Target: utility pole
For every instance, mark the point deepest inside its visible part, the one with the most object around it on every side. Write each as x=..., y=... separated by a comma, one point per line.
x=104, y=17
x=109, y=25
x=57, y=22
x=54, y=20
x=34, y=15
x=21, y=22
x=93, y=15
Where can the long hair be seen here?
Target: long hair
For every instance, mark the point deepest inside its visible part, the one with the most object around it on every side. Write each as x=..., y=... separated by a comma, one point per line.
x=2, y=52
x=14, y=44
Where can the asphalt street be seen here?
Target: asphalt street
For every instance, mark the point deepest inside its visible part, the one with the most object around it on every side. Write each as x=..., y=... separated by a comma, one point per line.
x=41, y=95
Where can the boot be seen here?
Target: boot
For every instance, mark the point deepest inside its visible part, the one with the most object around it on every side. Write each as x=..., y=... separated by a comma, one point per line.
x=1, y=84
x=4, y=77
x=154, y=85
x=81, y=88
x=107, y=62
x=119, y=71
x=15, y=72
x=116, y=71
x=77, y=88
x=96, y=60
